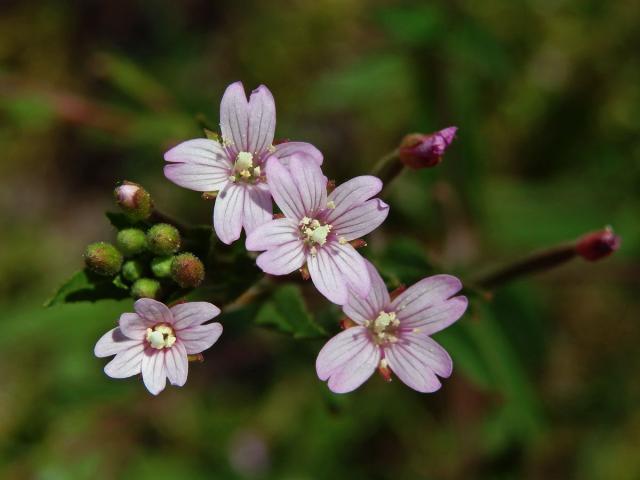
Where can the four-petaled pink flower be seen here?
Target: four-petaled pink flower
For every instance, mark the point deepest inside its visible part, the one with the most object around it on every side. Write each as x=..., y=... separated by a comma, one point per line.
x=234, y=167
x=156, y=340
x=317, y=228
x=394, y=335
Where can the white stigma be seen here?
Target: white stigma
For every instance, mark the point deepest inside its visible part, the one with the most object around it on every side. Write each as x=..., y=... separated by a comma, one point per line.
x=384, y=326
x=383, y=321
x=244, y=161
x=161, y=336
x=314, y=233
x=319, y=234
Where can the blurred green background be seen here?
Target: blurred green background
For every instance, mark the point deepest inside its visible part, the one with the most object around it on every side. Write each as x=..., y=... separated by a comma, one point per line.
x=546, y=94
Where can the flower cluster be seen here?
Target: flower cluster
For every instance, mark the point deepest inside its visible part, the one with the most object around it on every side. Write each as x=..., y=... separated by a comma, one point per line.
x=316, y=230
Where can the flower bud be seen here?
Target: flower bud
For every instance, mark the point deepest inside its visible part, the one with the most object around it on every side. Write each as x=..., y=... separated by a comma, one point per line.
x=132, y=270
x=131, y=241
x=596, y=245
x=419, y=150
x=146, y=288
x=134, y=200
x=187, y=270
x=163, y=239
x=103, y=258
x=161, y=266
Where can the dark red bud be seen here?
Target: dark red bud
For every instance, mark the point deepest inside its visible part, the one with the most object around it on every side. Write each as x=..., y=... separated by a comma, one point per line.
x=596, y=245
x=384, y=371
x=304, y=272
x=347, y=323
x=393, y=294
x=418, y=150
x=358, y=243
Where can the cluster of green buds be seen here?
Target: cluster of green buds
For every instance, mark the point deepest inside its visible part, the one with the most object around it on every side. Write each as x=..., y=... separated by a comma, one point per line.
x=146, y=257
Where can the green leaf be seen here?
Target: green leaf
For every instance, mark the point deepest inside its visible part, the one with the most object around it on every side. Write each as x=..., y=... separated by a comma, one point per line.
x=405, y=261
x=86, y=286
x=287, y=312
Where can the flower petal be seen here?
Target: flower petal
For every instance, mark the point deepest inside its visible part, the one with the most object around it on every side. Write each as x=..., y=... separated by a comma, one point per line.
x=361, y=219
x=200, y=164
x=153, y=311
x=262, y=119
x=190, y=314
x=134, y=326
x=273, y=233
x=363, y=309
x=234, y=118
x=353, y=193
x=126, y=362
x=257, y=207
x=351, y=265
x=416, y=359
x=154, y=372
x=113, y=342
x=285, y=150
x=311, y=182
x=348, y=360
x=282, y=259
x=199, y=338
x=299, y=190
x=414, y=305
x=176, y=364
x=228, y=213
x=327, y=278
x=436, y=317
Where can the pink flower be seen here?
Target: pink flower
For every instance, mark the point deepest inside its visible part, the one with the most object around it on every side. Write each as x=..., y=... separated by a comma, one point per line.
x=317, y=228
x=419, y=150
x=234, y=166
x=596, y=245
x=156, y=340
x=394, y=335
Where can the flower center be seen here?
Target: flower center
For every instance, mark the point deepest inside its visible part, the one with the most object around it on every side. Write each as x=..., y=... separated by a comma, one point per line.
x=161, y=336
x=244, y=170
x=314, y=233
x=384, y=327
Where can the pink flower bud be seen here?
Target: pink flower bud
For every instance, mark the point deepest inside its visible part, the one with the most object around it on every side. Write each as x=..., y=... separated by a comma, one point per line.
x=134, y=200
x=596, y=245
x=419, y=150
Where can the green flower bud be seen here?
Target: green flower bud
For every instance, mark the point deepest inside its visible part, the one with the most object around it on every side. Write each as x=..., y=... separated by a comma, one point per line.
x=131, y=241
x=161, y=266
x=163, y=239
x=103, y=258
x=146, y=288
x=132, y=270
x=187, y=270
x=134, y=200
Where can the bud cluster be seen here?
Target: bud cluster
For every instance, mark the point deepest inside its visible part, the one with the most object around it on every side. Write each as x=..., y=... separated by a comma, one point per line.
x=146, y=256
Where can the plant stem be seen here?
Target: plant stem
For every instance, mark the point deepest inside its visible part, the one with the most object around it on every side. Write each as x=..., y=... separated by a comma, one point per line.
x=533, y=263
x=159, y=217
x=388, y=168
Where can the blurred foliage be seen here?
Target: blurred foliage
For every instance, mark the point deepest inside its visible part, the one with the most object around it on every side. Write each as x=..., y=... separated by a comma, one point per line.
x=545, y=94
